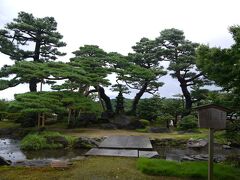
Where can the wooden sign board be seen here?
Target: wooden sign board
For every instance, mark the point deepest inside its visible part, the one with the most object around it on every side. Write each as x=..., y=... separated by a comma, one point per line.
x=212, y=116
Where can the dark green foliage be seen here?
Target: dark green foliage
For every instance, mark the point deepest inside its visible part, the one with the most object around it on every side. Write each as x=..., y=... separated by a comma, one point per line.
x=95, y=62
x=3, y=109
x=173, y=47
x=164, y=119
x=144, y=122
x=171, y=109
x=223, y=66
x=188, y=123
x=233, y=160
x=142, y=70
x=120, y=99
x=198, y=170
x=149, y=108
x=26, y=29
x=29, y=38
x=60, y=103
x=233, y=132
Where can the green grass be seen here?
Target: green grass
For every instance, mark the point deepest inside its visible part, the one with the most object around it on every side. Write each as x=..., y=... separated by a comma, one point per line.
x=8, y=124
x=37, y=141
x=197, y=170
x=99, y=168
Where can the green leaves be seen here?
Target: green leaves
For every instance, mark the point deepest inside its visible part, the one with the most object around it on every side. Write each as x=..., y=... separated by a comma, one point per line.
x=26, y=29
x=52, y=102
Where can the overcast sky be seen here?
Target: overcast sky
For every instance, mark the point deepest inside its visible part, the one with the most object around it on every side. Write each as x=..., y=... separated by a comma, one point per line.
x=116, y=25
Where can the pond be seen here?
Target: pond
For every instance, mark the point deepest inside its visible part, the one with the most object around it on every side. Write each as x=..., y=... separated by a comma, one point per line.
x=10, y=150
x=184, y=153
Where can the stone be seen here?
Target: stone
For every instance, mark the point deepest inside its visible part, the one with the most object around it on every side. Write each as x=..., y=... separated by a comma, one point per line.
x=127, y=142
x=226, y=146
x=88, y=117
x=58, y=140
x=187, y=158
x=85, y=142
x=6, y=131
x=4, y=162
x=32, y=163
x=59, y=164
x=200, y=157
x=197, y=143
x=149, y=154
x=108, y=126
x=158, y=130
x=112, y=152
x=122, y=121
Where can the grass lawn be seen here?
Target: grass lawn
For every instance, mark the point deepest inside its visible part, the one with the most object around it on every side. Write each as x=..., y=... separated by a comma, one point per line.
x=94, y=132
x=197, y=170
x=91, y=168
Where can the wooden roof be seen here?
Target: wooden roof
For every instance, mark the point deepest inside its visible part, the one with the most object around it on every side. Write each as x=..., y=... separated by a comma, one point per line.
x=207, y=106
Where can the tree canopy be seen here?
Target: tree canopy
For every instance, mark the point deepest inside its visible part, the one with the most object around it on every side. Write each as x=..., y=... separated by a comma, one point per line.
x=30, y=38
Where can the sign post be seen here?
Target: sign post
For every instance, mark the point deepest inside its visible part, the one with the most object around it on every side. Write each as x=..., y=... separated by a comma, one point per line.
x=210, y=153
x=213, y=117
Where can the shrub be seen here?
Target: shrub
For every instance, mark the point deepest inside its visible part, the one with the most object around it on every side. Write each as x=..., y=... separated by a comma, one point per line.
x=149, y=108
x=164, y=120
x=33, y=142
x=233, y=132
x=188, y=122
x=37, y=141
x=144, y=122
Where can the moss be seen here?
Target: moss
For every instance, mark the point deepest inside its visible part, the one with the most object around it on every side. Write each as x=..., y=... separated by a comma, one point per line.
x=106, y=168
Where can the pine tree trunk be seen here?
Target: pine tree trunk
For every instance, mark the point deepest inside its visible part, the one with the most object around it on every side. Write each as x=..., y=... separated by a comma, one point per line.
x=188, y=99
x=137, y=98
x=33, y=82
x=105, y=98
x=33, y=85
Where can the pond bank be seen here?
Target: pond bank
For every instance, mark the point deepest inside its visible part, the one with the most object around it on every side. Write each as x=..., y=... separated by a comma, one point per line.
x=168, y=149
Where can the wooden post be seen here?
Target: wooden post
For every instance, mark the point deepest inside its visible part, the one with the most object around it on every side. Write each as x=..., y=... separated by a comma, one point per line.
x=210, y=153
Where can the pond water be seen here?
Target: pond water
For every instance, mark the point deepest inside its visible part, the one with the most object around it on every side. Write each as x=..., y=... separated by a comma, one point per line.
x=178, y=153
x=10, y=150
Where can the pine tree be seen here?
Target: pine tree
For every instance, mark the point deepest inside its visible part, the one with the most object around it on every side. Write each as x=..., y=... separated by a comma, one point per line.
x=30, y=38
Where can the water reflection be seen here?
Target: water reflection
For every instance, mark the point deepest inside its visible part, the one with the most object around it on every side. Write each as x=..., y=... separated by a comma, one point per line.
x=10, y=150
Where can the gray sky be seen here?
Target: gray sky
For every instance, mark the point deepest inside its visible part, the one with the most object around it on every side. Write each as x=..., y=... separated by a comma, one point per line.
x=116, y=25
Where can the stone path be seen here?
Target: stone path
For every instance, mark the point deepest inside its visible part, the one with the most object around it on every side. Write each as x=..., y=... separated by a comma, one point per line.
x=124, y=146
